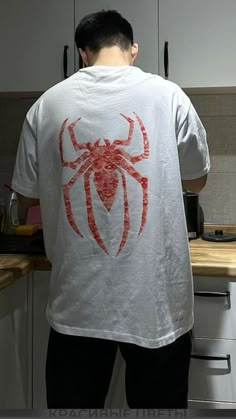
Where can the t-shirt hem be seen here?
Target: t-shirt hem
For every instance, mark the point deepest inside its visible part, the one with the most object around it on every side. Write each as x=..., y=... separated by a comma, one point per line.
x=196, y=175
x=121, y=337
x=24, y=191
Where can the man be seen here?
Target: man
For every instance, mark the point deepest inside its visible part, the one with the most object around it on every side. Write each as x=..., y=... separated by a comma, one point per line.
x=105, y=152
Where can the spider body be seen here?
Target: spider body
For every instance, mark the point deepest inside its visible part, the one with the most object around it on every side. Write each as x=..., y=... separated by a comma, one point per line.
x=108, y=162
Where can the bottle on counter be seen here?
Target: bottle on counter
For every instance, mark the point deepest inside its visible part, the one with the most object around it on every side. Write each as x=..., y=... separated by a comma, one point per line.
x=2, y=213
x=11, y=218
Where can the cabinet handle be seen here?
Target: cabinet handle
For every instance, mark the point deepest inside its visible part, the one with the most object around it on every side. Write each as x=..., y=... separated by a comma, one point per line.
x=211, y=358
x=214, y=358
x=212, y=294
x=166, y=60
x=65, y=61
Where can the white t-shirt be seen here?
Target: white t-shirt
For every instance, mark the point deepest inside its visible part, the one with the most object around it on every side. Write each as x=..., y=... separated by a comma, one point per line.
x=105, y=151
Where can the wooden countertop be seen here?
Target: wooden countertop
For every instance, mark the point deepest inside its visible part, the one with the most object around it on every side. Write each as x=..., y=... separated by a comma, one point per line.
x=207, y=258
x=213, y=259
x=6, y=278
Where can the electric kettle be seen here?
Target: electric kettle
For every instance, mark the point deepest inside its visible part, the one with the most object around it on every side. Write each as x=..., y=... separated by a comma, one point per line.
x=194, y=215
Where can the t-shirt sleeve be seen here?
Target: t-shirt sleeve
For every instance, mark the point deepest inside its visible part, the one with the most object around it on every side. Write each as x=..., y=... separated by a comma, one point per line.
x=25, y=175
x=193, y=150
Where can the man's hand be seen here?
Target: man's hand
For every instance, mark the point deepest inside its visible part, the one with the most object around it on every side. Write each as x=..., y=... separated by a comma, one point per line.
x=195, y=185
x=26, y=202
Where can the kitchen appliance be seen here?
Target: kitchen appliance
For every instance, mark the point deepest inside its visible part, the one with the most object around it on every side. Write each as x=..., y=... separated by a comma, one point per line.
x=31, y=245
x=194, y=214
x=219, y=236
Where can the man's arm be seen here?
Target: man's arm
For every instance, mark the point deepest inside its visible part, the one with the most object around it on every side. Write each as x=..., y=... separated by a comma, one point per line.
x=26, y=202
x=195, y=185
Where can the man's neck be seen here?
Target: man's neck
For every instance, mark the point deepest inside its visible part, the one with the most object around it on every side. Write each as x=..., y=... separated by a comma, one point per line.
x=112, y=56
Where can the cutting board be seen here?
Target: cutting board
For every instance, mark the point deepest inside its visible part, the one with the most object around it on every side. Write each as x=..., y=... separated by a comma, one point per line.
x=213, y=258
x=209, y=256
x=204, y=244
x=15, y=263
x=6, y=278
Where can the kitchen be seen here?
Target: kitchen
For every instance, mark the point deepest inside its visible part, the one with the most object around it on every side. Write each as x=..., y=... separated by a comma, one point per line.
x=209, y=80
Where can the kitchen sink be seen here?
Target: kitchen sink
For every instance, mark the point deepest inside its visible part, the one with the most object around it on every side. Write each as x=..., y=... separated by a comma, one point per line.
x=32, y=245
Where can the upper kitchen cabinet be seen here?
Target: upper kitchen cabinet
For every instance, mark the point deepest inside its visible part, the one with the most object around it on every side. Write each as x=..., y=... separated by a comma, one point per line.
x=142, y=15
x=34, y=36
x=201, y=38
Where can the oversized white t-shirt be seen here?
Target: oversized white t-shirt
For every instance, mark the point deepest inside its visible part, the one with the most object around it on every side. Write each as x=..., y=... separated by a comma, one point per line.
x=105, y=151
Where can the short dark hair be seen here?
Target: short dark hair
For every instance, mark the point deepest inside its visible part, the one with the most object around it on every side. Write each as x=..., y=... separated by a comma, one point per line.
x=105, y=28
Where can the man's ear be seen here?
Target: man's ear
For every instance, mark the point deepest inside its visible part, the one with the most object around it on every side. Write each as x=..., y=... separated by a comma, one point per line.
x=134, y=52
x=84, y=56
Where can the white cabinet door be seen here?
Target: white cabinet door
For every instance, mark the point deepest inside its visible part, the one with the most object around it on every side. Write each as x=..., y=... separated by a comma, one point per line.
x=215, y=308
x=15, y=356
x=201, y=36
x=193, y=404
x=116, y=397
x=142, y=15
x=33, y=34
x=213, y=379
x=40, y=337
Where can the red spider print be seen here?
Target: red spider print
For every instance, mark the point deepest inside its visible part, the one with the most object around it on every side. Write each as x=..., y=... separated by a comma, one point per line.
x=106, y=162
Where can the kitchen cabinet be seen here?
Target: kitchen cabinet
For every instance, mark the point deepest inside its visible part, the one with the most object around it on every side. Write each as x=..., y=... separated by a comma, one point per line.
x=15, y=346
x=144, y=20
x=40, y=334
x=218, y=306
x=201, y=41
x=116, y=397
x=213, y=364
x=33, y=35
x=214, y=379
x=200, y=36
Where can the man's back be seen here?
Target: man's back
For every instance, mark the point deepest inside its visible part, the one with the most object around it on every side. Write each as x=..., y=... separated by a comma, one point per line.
x=111, y=201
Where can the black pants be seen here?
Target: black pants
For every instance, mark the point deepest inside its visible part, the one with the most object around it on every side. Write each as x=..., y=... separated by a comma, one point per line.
x=79, y=370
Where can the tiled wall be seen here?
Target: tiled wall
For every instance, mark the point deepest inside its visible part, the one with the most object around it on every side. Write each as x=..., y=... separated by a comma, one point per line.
x=217, y=109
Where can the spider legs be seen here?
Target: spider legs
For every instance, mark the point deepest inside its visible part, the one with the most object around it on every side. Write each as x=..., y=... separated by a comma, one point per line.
x=145, y=154
x=69, y=214
x=91, y=219
x=66, y=195
x=130, y=134
x=71, y=164
x=126, y=213
x=123, y=164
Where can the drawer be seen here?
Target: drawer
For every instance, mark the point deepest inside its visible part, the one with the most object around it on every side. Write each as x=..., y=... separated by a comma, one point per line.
x=213, y=371
x=193, y=404
x=215, y=308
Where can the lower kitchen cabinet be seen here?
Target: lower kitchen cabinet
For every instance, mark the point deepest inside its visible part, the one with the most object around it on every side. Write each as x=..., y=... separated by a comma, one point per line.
x=116, y=397
x=215, y=308
x=15, y=346
x=40, y=333
x=213, y=373
x=24, y=332
x=212, y=381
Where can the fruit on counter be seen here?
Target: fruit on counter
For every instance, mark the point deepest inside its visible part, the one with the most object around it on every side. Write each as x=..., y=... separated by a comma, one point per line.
x=26, y=229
